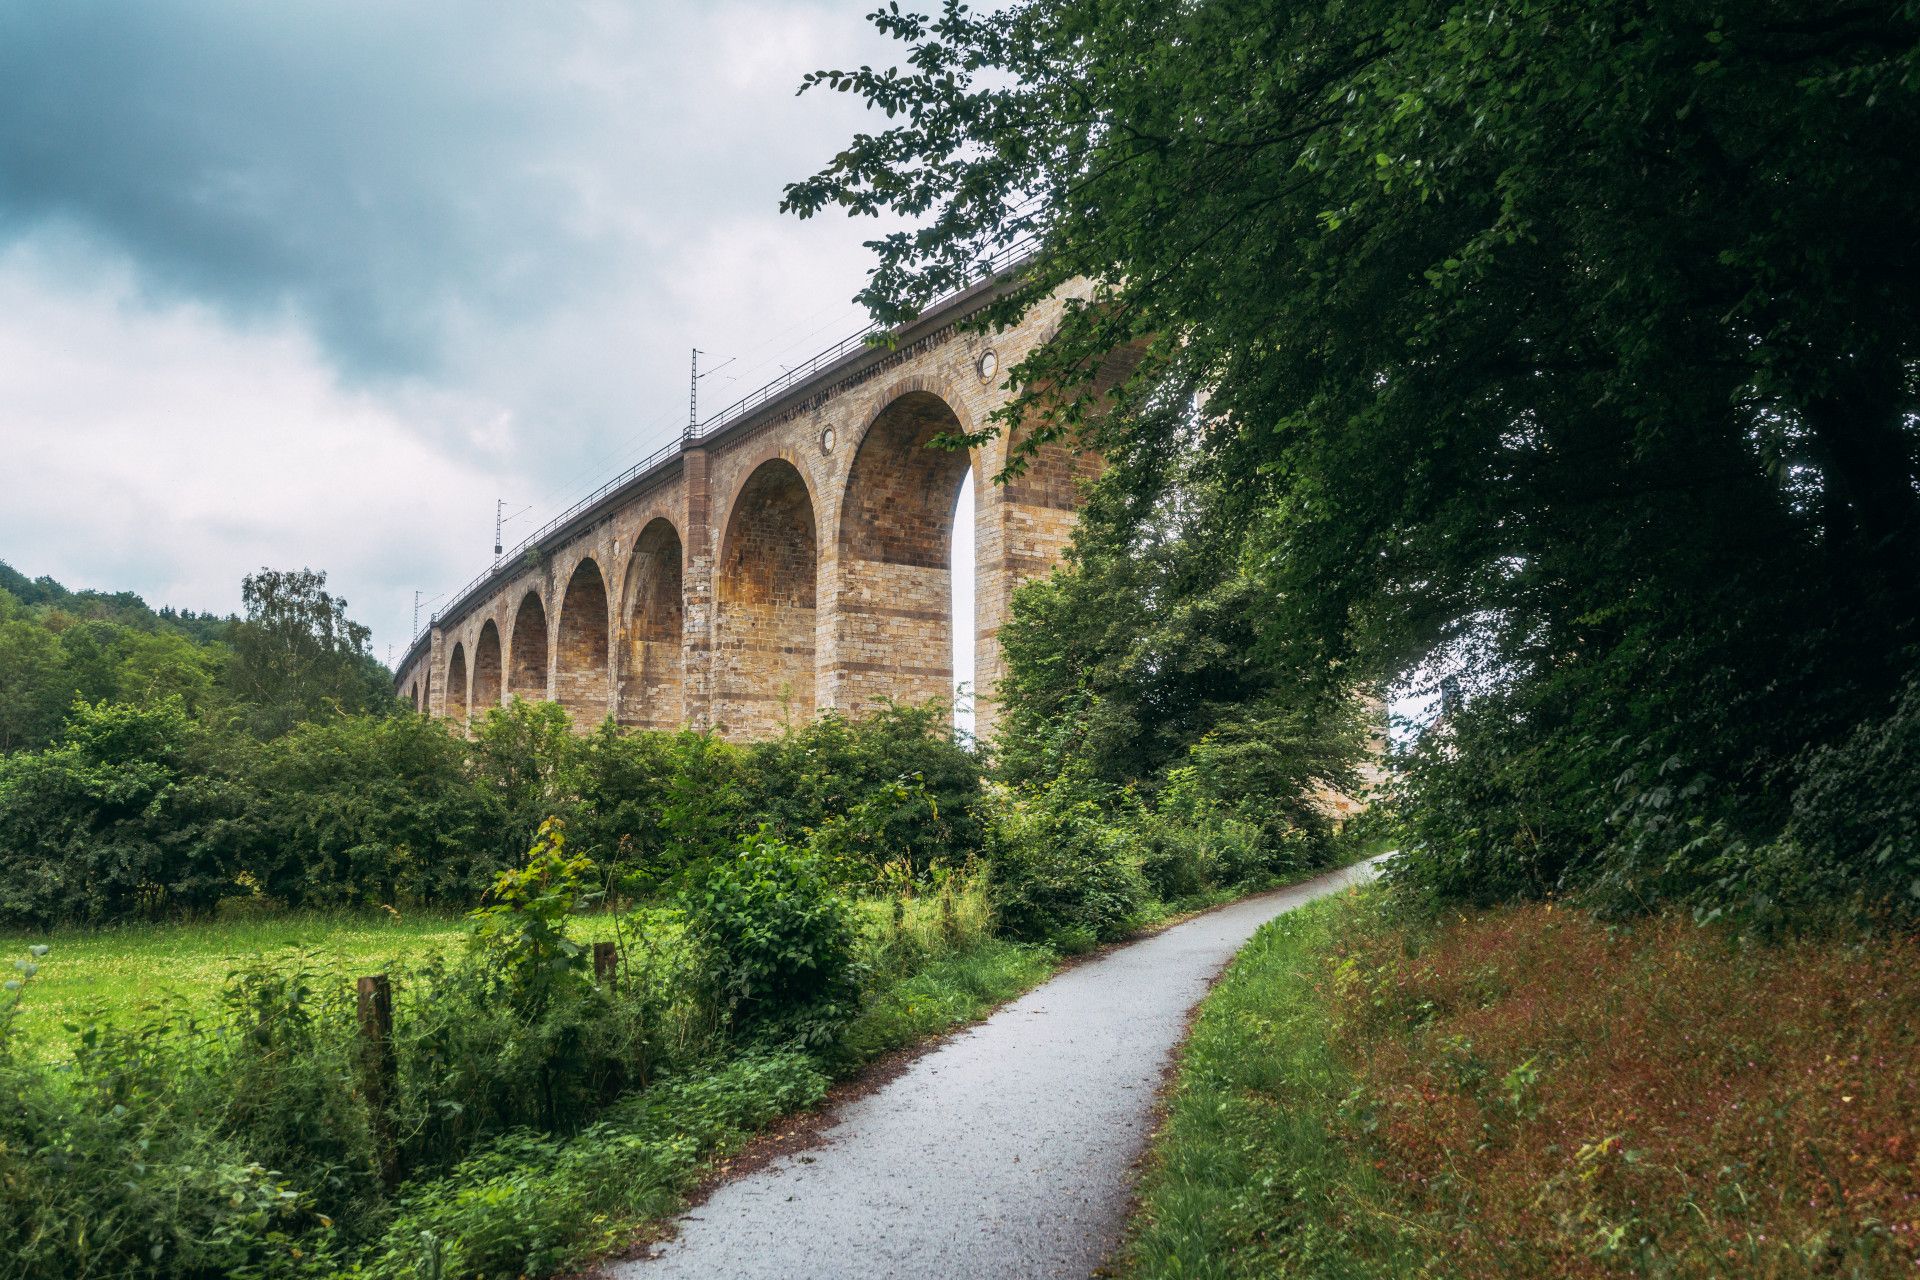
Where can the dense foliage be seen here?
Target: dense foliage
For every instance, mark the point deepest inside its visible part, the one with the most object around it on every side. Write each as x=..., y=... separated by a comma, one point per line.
x=531, y=1106
x=1567, y=352
x=1130, y=782
x=294, y=656
x=146, y=812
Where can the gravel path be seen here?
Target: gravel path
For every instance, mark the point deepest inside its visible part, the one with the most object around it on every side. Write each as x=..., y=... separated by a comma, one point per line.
x=1004, y=1153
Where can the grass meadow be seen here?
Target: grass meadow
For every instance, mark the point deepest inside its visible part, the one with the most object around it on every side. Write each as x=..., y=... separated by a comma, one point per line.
x=134, y=973
x=127, y=973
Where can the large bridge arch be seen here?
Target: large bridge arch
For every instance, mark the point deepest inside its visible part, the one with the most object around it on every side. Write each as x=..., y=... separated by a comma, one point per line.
x=653, y=626
x=767, y=588
x=527, y=649
x=488, y=673
x=893, y=611
x=582, y=670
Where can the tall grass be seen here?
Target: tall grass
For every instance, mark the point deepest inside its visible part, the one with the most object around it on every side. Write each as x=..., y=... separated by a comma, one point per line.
x=1532, y=1092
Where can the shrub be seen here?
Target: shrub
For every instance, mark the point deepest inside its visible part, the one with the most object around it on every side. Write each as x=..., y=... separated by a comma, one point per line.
x=113, y=1167
x=358, y=811
x=1264, y=771
x=1856, y=817
x=1061, y=866
x=776, y=942
x=1187, y=851
x=525, y=758
x=897, y=783
x=516, y=1031
x=121, y=817
x=518, y=1207
x=654, y=805
x=288, y=1084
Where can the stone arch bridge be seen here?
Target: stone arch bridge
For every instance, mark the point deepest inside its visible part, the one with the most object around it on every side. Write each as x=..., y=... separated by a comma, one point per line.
x=789, y=556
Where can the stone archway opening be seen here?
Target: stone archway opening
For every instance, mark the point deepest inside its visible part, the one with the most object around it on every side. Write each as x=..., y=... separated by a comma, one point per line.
x=1025, y=524
x=413, y=695
x=457, y=684
x=766, y=589
x=528, y=676
x=653, y=668
x=487, y=671
x=896, y=629
x=961, y=562
x=581, y=680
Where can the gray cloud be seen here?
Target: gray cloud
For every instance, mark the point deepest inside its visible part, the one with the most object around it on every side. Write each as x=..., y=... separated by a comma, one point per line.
x=391, y=172
x=453, y=250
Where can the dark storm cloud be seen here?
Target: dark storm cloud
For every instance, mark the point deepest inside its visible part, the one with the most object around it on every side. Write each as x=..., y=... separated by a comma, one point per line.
x=382, y=169
x=305, y=282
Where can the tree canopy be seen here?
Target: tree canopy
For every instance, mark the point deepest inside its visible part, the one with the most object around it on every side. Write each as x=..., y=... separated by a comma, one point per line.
x=1568, y=349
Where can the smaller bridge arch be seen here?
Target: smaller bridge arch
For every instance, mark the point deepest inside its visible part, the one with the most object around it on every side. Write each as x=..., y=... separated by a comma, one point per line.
x=653, y=620
x=487, y=670
x=457, y=683
x=527, y=649
x=581, y=672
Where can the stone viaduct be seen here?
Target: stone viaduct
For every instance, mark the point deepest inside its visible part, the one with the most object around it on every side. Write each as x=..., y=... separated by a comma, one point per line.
x=789, y=556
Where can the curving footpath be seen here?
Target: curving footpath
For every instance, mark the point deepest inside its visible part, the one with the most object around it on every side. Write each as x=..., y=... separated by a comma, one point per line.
x=1007, y=1152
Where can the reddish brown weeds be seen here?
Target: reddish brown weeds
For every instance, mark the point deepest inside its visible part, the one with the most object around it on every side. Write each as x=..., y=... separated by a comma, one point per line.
x=1557, y=1097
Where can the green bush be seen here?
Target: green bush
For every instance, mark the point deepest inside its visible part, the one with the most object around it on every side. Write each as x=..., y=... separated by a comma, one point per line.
x=1187, y=852
x=897, y=783
x=122, y=817
x=524, y=758
x=1856, y=816
x=654, y=805
x=1264, y=768
x=518, y=1207
x=1063, y=870
x=358, y=811
x=775, y=941
x=288, y=1086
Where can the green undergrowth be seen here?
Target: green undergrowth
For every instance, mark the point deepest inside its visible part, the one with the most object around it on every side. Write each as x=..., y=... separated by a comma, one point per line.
x=531, y=1204
x=949, y=992
x=209, y=1115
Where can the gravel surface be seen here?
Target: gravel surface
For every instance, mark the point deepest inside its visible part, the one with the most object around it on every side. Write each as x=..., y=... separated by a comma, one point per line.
x=1006, y=1152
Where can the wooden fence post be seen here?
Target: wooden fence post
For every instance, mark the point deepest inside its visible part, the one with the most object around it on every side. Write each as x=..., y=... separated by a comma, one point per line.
x=379, y=1070
x=606, y=964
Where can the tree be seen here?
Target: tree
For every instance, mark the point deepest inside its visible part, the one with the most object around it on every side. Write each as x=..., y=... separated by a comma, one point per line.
x=1568, y=348
x=356, y=810
x=32, y=699
x=157, y=665
x=297, y=656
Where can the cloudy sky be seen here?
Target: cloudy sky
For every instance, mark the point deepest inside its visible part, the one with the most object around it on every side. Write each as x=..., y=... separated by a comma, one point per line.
x=315, y=283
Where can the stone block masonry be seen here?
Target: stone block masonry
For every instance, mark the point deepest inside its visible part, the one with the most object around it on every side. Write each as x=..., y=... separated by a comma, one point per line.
x=795, y=560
